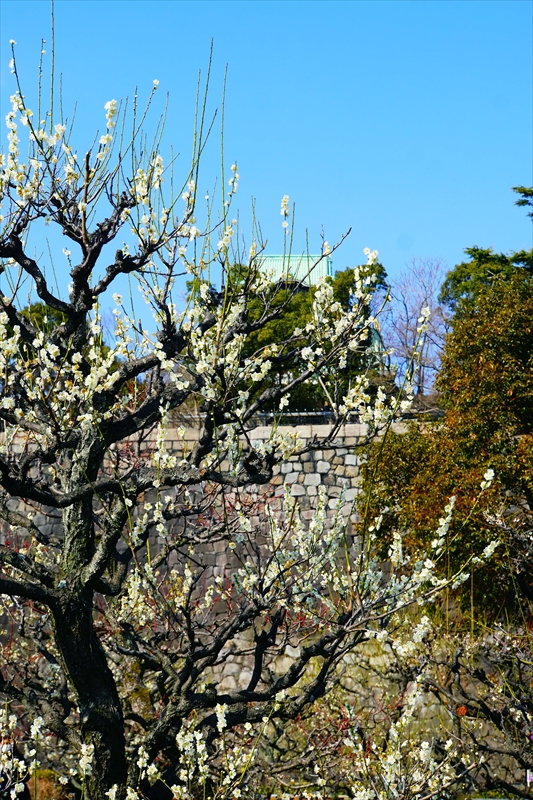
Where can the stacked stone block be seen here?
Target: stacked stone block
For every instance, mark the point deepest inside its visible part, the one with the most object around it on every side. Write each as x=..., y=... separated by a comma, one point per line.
x=336, y=467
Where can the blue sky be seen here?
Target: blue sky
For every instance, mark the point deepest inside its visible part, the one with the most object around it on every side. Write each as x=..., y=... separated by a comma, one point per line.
x=407, y=121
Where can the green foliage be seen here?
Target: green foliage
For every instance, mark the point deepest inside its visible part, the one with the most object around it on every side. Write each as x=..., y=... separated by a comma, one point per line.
x=486, y=379
x=343, y=283
x=296, y=314
x=465, y=282
x=44, y=317
x=297, y=303
x=486, y=388
x=526, y=197
x=411, y=480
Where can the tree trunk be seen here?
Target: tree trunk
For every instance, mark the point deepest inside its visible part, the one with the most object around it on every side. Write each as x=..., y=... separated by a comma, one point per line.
x=101, y=719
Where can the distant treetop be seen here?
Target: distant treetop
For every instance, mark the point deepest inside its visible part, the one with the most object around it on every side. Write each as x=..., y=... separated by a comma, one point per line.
x=526, y=197
x=467, y=280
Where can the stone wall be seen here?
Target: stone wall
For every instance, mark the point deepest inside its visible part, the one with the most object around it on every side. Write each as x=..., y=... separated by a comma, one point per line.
x=335, y=467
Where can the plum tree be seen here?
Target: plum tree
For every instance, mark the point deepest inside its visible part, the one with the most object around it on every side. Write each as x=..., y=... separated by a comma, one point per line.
x=132, y=574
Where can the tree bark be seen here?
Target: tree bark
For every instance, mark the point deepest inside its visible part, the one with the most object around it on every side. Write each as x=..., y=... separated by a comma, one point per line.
x=101, y=719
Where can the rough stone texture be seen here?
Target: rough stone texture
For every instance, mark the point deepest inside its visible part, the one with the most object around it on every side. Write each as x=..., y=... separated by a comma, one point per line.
x=297, y=490
x=333, y=470
x=291, y=477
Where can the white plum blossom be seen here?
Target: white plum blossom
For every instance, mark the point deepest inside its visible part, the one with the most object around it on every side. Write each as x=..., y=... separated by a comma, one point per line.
x=156, y=537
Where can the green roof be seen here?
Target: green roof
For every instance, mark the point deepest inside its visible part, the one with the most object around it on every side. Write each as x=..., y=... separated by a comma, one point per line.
x=307, y=269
